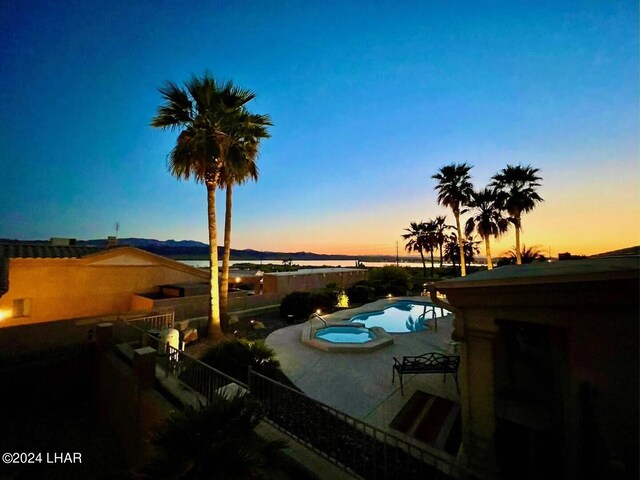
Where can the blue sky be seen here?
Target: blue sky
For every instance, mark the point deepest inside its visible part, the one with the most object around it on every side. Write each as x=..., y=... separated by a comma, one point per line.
x=368, y=100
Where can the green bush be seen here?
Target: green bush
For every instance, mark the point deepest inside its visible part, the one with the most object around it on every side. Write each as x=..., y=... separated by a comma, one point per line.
x=360, y=293
x=215, y=442
x=324, y=301
x=302, y=304
x=234, y=357
x=296, y=304
x=390, y=279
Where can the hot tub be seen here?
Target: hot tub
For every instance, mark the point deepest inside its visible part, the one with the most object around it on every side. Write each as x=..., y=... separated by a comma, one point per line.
x=351, y=338
x=348, y=334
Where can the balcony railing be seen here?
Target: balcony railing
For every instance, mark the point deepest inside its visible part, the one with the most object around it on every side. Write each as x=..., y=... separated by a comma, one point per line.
x=352, y=444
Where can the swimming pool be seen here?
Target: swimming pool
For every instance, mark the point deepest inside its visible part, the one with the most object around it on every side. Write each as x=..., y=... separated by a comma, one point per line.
x=403, y=316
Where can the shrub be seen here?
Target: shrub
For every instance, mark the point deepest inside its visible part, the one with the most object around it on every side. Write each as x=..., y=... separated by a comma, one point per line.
x=217, y=441
x=390, y=279
x=325, y=300
x=297, y=304
x=234, y=357
x=360, y=293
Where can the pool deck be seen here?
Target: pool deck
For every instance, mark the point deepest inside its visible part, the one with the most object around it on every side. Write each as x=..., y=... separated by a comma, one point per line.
x=359, y=384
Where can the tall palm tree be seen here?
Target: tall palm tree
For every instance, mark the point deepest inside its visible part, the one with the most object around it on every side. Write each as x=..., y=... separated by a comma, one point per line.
x=516, y=187
x=454, y=190
x=452, y=250
x=417, y=241
x=470, y=249
x=487, y=221
x=431, y=239
x=206, y=113
x=441, y=233
x=240, y=165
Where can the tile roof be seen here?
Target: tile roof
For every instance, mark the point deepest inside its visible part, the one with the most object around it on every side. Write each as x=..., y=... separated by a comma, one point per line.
x=24, y=250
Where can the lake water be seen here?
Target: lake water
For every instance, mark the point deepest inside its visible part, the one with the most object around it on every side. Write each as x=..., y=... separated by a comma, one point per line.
x=313, y=263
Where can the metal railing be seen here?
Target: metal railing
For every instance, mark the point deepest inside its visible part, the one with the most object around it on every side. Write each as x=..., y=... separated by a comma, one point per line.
x=311, y=317
x=351, y=444
x=200, y=377
x=348, y=442
x=154, y=322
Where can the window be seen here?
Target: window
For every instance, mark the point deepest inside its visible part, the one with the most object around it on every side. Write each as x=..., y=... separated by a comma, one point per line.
x=22, y=307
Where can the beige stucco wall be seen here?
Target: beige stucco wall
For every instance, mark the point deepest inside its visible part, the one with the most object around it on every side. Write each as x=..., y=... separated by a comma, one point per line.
x=70, y=288
x=599, y=325
x=306, y=282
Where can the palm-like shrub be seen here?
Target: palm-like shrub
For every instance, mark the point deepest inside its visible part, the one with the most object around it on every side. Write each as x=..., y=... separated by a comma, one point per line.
x=527, y=254
x=234, y=357
x=213, y=442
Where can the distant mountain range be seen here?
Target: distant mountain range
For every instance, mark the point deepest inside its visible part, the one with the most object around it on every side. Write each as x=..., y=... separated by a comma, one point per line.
x=191, y=249
x=194, y=250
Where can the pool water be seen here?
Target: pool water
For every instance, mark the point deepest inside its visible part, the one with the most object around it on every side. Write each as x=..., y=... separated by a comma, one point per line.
x=345, y=334
x=402, y=317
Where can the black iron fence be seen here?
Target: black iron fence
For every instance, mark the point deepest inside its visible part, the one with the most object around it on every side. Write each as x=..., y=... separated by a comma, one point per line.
x=353, y=445
x=200, y=377
x=356, y=446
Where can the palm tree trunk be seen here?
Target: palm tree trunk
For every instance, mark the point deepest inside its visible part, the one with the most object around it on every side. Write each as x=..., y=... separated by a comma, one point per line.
x=424, y=265
x=224, y=278
x=463, y=269
x=431, y=251
x=487, y=248
x=214, y=329
x=518, y=253
x=440, y=246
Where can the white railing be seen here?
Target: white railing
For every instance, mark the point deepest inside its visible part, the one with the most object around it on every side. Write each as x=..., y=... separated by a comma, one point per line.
x=155, y=322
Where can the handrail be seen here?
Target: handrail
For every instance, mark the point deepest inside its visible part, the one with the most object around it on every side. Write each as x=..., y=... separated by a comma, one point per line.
x=311, y=323
x=353, y=441
x=356, y=441
x=155, y=321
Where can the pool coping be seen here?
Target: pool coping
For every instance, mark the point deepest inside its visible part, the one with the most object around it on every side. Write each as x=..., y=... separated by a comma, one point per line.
x=383, y=338
x=308, y=337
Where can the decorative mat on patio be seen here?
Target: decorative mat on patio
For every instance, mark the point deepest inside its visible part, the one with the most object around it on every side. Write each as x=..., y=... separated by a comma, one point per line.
x=432, y=420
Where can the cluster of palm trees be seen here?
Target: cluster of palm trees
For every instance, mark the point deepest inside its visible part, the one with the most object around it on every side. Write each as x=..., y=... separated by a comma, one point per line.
x=218, y=144
x=511, y=193
x=426, y=237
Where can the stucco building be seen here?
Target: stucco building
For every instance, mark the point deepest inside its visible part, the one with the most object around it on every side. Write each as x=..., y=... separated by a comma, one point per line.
x=549, y=372
x=309, y=279
x=57, y=282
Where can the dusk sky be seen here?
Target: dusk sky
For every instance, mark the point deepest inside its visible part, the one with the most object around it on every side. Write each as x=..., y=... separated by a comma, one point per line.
x=368, y=100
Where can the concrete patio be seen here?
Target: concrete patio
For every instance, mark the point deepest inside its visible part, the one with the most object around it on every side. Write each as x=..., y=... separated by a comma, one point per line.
x=359, y=384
